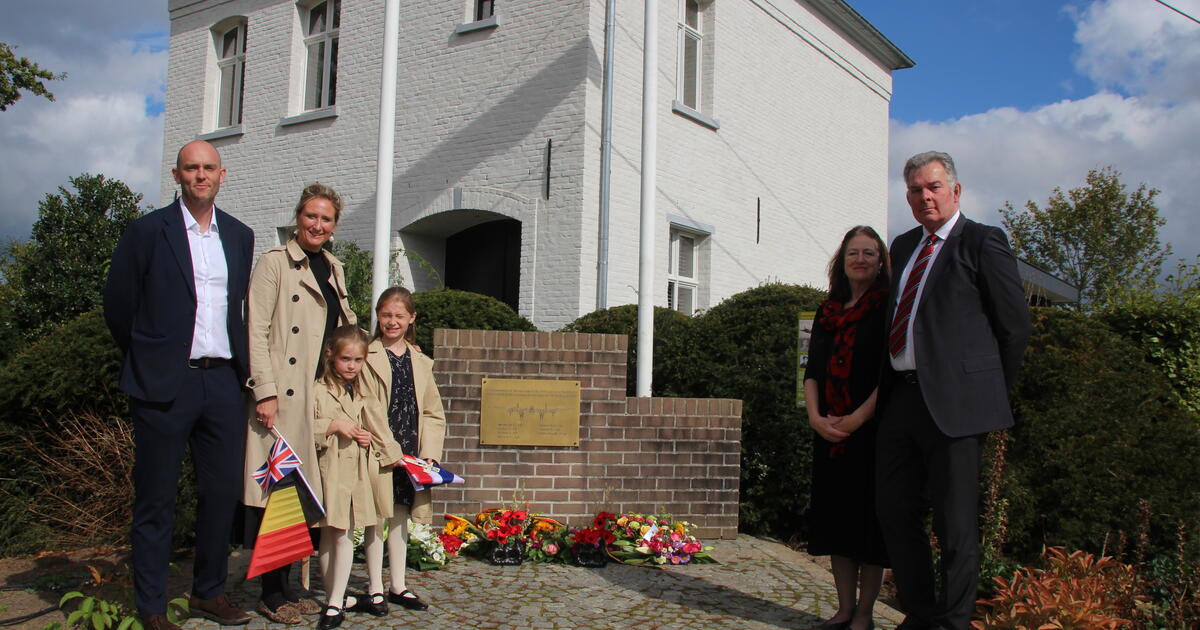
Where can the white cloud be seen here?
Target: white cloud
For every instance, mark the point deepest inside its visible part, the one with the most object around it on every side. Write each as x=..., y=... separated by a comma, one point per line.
x=116, y=65
x=1148, y=132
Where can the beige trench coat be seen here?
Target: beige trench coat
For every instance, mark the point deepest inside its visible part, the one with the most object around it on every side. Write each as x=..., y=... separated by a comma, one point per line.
x=376, y=381
x=286, y=324
x=352, y=477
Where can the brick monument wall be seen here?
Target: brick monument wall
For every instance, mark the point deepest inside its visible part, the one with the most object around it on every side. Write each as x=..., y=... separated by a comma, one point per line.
x=680, y=455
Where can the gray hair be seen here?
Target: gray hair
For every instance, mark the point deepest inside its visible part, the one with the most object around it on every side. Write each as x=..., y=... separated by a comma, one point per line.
x=921, y=159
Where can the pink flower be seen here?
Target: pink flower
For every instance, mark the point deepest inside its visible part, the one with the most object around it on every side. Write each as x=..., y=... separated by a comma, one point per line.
x=550, y=549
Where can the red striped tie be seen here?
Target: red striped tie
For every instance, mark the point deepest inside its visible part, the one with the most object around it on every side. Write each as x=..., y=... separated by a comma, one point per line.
x=898, y=338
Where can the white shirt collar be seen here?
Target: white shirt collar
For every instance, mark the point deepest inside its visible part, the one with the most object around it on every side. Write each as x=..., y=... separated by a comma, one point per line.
x=944, y=231
x=189, y=222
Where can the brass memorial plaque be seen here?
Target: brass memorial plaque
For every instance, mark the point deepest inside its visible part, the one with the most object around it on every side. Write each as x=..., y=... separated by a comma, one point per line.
x=529, y=412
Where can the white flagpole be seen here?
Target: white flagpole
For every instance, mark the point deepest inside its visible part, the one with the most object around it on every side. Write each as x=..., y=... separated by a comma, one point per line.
x=646, y=284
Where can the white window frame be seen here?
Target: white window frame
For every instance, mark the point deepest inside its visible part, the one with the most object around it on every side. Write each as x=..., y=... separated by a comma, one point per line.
x=232, y=64
x=320, y=88
x=678, y=279
x=695, y=70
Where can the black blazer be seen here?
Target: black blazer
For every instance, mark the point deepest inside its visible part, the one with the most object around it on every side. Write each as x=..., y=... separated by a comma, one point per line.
x=970, y=328
x=150, y=300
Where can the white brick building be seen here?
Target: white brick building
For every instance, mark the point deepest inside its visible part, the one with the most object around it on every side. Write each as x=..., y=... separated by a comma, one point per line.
x=780, y=147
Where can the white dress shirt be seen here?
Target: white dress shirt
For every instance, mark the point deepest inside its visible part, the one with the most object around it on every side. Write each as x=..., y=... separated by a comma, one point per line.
x=211, y=334
x=907, y=359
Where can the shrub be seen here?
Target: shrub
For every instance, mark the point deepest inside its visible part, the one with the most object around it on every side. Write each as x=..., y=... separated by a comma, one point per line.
x=670, y=338
x=449, y=308
x=1166, y=329
x=356, y=264
x=745, y=348
x=1076, y=591
x=72, y=367
x=1098, y=429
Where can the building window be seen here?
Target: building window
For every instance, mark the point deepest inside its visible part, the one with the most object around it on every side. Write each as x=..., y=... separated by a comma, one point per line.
x=484, y=9
x=231, y=64
x=321, y=41
x=682, y=275
x=690, y=54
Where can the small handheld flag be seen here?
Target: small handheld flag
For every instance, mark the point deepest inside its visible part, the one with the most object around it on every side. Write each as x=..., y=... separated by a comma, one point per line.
x=424, y=474
x=281, y=461
x=283, y=536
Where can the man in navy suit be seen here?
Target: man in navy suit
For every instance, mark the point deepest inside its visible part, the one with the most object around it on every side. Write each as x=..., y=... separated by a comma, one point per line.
x=957, y=329
x=174, y=302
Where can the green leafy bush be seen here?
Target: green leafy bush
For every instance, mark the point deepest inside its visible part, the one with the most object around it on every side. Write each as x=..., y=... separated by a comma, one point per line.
x=745, y=348
x=450, y=308
x=356, y=264
x=72, y=367
x=670, y=338
x=1098, y=429
x=1167, y=328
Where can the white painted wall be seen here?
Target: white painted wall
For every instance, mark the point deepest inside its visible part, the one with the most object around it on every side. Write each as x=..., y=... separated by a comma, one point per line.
x=803, y=126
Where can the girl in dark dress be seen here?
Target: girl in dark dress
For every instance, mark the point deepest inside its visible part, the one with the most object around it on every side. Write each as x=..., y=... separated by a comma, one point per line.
x=840, y=385
x=400, y=379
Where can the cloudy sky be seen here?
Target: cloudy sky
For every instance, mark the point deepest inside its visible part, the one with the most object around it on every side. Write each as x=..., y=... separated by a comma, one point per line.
x=1026, y=94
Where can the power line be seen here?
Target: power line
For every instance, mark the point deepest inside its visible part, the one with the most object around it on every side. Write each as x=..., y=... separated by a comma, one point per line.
x=1178, y=11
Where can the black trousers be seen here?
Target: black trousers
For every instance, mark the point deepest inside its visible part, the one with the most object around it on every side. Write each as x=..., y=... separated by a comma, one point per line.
x=918, y=468
x=209, y=415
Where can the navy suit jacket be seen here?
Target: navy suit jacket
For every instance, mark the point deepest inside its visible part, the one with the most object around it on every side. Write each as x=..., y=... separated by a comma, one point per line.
x=970, y=328
x=150, y=300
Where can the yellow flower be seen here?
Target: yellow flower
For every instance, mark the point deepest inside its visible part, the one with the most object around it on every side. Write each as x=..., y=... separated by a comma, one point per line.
x=622, y=521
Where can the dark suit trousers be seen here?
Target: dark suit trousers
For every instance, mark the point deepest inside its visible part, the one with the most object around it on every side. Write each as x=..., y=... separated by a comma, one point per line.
x=209, y=415
x=919, y=467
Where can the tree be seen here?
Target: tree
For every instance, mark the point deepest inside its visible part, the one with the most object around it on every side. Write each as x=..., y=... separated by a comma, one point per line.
x=1098, y=237
x=18, y=74
x=60, y=272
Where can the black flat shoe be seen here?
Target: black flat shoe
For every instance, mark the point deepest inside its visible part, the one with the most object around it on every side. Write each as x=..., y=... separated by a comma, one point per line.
x=327, y=621
x=411, y=603
x=367, y=604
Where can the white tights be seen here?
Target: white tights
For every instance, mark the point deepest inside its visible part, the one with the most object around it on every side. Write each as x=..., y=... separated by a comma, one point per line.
x=397, y=548
x=336, y=558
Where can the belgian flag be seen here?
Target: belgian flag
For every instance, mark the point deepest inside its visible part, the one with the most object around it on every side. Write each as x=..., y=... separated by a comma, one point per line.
x=283, y=536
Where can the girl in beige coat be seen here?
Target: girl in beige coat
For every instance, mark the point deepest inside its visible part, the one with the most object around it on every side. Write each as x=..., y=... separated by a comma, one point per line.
x=400, y=379
x=357, y=488
x=297, y=296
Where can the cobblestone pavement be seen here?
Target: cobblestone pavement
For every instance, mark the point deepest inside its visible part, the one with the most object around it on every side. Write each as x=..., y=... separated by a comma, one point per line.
x=759, y=584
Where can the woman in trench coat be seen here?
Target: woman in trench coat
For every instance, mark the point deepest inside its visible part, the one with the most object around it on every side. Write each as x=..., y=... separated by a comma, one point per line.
x=297, y=297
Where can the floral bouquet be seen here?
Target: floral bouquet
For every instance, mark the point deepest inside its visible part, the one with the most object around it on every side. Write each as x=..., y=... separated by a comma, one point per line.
x=548, y=541
x=458, y=536
x=590, y=544
x=426, y=550
x=656, y=541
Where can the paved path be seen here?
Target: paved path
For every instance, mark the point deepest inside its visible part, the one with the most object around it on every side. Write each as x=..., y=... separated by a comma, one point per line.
x=759, y=584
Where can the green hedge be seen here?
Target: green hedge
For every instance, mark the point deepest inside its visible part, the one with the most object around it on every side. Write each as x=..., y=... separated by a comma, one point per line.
x=450, y=308
x=745, y=348
x=671, y=330
x=1168, y=330
x=1098, y=428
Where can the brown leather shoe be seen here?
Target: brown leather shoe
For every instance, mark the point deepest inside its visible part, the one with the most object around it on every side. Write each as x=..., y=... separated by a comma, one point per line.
x=158, y=622
x=219, y=609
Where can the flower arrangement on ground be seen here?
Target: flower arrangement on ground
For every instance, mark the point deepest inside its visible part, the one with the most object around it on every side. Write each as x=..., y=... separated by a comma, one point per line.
x=458, y=536
x=656, y=540
x=590, y=544
x=426, y=550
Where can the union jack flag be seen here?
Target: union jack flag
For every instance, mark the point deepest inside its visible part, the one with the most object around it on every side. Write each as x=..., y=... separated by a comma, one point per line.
x=280, y=462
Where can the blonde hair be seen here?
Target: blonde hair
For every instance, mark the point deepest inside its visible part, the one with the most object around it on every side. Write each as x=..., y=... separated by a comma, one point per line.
x=318, y=190
x=339, y=339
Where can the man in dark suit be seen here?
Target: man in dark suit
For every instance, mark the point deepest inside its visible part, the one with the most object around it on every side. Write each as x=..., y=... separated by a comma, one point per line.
x=957, y=329
x=174, y=302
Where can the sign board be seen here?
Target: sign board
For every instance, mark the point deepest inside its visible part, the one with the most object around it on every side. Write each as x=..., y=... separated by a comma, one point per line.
x=529, y=412
x=804, y=330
